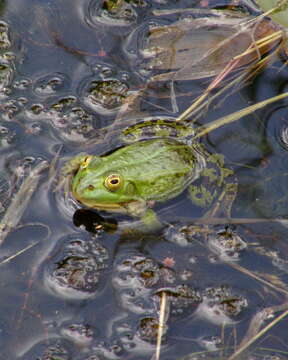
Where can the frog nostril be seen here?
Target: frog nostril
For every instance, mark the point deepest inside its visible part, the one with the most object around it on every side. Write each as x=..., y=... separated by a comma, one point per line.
x=90, y=187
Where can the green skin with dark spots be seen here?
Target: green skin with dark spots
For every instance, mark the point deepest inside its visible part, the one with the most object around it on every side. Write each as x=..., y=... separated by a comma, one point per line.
x=151, y=170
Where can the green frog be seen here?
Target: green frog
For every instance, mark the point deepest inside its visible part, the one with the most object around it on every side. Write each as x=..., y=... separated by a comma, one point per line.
x=158, y=162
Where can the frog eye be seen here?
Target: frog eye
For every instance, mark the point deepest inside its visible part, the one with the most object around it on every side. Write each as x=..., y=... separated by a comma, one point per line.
x=86, y=162
x=113, y=182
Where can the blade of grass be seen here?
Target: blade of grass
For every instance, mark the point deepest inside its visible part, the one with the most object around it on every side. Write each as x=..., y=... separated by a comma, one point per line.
x=237, y=82
x=204, y=130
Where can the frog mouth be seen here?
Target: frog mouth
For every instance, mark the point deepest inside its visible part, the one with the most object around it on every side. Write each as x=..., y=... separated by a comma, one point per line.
x=113, y=207
x=108, y=207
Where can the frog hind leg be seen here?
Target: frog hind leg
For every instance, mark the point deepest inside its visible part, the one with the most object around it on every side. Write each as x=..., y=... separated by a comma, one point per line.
x=223, y=205
x=219, y=196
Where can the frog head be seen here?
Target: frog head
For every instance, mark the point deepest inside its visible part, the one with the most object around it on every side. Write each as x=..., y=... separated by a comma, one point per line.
x=97, y=186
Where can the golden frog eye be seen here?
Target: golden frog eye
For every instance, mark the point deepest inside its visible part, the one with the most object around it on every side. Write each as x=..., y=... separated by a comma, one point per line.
x=113, y=182
x=86, y=162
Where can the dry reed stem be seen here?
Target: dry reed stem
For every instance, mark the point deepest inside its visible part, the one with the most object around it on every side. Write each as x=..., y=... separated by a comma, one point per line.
x=232, y=64
x=5, y=261
x=161, y=325
x=258, y=278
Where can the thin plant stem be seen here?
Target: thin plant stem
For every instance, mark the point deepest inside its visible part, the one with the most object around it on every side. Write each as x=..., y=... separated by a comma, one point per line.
x=260, y=333
x=204, y=130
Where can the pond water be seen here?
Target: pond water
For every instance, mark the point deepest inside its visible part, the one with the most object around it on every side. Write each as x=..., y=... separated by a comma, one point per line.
x=75, y=284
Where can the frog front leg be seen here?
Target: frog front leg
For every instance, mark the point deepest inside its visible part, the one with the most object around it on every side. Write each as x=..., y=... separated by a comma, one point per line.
x=148, y=218
x=68, y=170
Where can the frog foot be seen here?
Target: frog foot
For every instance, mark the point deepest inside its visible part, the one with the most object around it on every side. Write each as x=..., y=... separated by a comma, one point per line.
x=69, y=169
x=150, y=221
x=73, y=164
x=223, y=205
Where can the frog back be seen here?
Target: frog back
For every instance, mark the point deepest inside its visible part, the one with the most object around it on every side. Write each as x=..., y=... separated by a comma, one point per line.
x=157, y=128
x=159, y=169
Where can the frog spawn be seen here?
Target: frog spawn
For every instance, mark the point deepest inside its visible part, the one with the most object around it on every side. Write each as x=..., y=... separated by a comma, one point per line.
x=227, y=244
x=6, y=73
x=140, y=286
x=105, y=96
x=79, y=333
x=180, y=300
x=56, y=350
x=74, y=343
x=6, y=59
x=70, y=121
x=74, y=271
x=5, y=193
x=60, y=349
x=66, y=115
x=75, y=124
x=140, y=283
x=50, y=84
x=222, y=306
x=63, y=350
x=7, y=136
x=115, y=12
x=135, y=278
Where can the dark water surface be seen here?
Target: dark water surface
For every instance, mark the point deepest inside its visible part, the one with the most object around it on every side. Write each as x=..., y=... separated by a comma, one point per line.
x=81, y=293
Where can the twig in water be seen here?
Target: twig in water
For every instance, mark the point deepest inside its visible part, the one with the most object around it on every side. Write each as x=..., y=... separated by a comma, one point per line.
x=5, y=261
x=161, y=325
x=20, y=201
